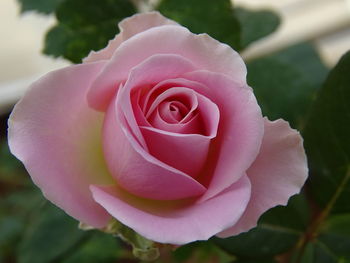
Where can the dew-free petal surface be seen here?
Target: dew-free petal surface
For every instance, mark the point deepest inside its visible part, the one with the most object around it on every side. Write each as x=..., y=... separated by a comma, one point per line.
x=240, y=131
x=57, y=137
x=186, y=152
x=153, y=70
x=202, y=50
x=178, y=222
x=279, y=172
x=137, y=170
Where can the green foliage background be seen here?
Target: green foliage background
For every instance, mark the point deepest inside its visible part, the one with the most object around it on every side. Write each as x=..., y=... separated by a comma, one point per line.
x=292, y=84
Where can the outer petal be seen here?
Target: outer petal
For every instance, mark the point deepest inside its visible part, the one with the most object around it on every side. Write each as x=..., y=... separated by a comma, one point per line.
x=178, y=222
x=128, y=28
x=279, y=172
x=240, y=131
x=57, y=137
x=202, y=50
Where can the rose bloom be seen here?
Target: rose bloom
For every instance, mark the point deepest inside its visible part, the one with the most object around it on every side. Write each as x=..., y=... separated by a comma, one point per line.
x=160, y=131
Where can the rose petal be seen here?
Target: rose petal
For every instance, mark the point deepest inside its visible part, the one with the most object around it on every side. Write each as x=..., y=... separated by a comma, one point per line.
x=138, y=171
x=175, y=112
x=204, y=51
x=146, y=100
x=193, y=126
x=279, y=172
x=153, y=70
x=202, y=116
x=129, y=27
x=182, y=94
x=186, y=152
x=142, y=101
x=178, y=222
x=57, y=137
x=240, y=131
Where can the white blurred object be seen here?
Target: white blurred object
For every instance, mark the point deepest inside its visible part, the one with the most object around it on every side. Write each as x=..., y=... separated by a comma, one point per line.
x=325, y=22
x=21, y=60
x=305, y=20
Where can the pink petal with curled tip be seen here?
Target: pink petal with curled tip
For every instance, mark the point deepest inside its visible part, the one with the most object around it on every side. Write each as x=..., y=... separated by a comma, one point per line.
x=188, y=152
x=240, y=130
x=176, y=222
x=202, y=50
x=57, y=137
x=136, y=170
x=129, y=27
x=279, y=171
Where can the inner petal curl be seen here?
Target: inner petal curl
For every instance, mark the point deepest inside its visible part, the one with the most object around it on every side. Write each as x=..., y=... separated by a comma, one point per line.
x=172, y=111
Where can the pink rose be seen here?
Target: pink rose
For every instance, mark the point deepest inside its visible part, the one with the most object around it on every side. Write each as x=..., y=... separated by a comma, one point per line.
x=160, y=131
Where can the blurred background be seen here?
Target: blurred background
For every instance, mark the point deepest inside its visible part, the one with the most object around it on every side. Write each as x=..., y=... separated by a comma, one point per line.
x=324, y=22
x=303, y=37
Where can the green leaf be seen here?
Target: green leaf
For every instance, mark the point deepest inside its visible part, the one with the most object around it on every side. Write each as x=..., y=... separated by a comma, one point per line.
x=335, y=235
x=41, y=6
x=10, y=228
x=305, y=59
x=327, y=141
x=14, y=211
x=50, y=234
x=73, y=44
x=11, y=169
x=57, y=40
x=331, y=244
x=183, y=253
x=296, y=215
x=237, y=27
x=256, y=24
x=10, y=231
x=85, y=25
x=80, y=13
x=201, y=251
x=262, y=241
x=215, y=18
x=270, y=260
x=286, y=82
x=22, y=202
x=278, y=231
x=317, y=252
x=100, y=247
